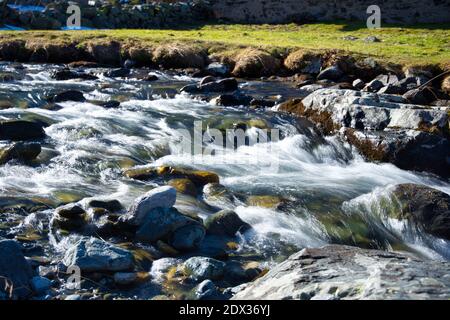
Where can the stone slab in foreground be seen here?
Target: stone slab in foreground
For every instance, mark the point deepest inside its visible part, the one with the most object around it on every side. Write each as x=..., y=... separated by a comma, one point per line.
x=343, y=272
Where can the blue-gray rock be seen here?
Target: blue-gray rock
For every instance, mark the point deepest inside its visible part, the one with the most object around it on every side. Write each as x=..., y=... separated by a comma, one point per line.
x=162, y=197
x=207, y=290
x=374, y=86
x=40, y=284
x=358, y=84
x=14, y=271
x=331, y=73
x=92, y=254
x=202, y=268
x=182, y=232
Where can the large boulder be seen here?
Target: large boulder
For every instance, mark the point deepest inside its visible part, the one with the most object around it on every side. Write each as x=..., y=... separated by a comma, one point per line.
x=15, y=272
x=338, y=272
x=425, y=207
x=21, y=130
x=382, y=126
x=95, y=255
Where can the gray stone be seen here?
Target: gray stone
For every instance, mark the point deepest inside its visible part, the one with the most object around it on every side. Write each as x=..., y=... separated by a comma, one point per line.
x=202, y=268
x=331, y=73
x=14, y=270
x=92, y=254
x=358, y=84
x=374, y=86
x=125, y=278
x=353, y=274
x=161, y=197
x=188, y=237
x=207, y=290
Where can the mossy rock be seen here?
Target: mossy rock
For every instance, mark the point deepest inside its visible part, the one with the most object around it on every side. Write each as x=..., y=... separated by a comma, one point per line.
x=265, y=201
x=184, y=186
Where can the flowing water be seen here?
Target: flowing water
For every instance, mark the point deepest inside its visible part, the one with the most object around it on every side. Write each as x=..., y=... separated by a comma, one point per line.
x=331, y=194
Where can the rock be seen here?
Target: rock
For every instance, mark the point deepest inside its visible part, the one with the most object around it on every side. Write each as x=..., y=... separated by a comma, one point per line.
x=188, y=237
x=203, y=268
x=70, y=95
x=161, y=266
x=207, y=86
x=390, y=89
x=40, y=285
x=66, y=74
x=128, y=64
x=425, y=207
x=110, y=205
x=20, y=151
x=217, y=69
x=69, y=217
x=225, y=222
x=207, y=79
x=161, y=197
x=117, y=73
x=150, y=78
x=358, y=84
x=350, y=273
x=383, y=127
x=15, y=272
x=303, y=62
x=94, y=255
x=262, y=103
x=184, y=186
x=374, y=86
x=111, y=104
x=416, y=96
x=267, y=201
x=333, y=73
x=179, y=231
x=21, y=130
x=207, y=290
x=372, y=39
x=237, y=273
x=198, y=177
x=179, y=56
x=231, y=100
x=253, y=63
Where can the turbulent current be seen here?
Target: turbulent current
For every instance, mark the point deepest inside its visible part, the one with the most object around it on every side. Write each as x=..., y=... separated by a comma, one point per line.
x=330, y=193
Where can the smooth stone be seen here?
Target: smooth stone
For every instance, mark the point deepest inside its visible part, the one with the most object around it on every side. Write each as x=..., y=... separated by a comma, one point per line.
x=358, y=84
x=117, y=73
x=207, y=290
x=110, y=205
x=21, y=151
x=225, y=222
x=92, y=255
x=161, y=197
x=331, y=73
x=188, y=237
x=217, y=69
x=203, y=268
x=125, y=278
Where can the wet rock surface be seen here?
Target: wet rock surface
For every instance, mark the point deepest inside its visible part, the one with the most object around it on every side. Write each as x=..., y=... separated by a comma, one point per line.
x=343, y=273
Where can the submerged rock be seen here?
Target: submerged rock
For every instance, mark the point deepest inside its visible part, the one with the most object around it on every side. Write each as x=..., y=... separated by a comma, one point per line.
x=202, y=268
x=20, y=151
x=21, y=130
x=70, y=95
x=225, y=222
x=67, y=74
x=69, y=217
x=425, y=207
x=15, y=272
x=350, y=273
x=92, y=254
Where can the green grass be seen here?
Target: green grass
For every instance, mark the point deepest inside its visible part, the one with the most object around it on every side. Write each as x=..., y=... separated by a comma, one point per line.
x=419, y=44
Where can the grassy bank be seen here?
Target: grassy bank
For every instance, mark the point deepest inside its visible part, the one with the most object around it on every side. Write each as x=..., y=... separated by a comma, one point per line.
x=419, y=44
